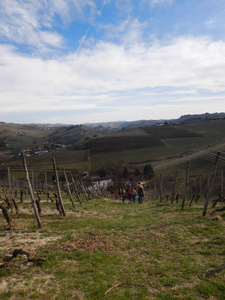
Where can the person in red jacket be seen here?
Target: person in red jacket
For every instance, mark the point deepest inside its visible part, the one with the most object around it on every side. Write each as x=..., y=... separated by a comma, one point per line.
x=123, y=195
x=129, y=193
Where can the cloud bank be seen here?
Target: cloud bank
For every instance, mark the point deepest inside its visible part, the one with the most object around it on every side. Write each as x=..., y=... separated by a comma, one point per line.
x=125, y=75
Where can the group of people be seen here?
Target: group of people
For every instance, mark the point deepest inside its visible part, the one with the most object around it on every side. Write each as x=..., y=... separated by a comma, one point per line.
x=132, y=194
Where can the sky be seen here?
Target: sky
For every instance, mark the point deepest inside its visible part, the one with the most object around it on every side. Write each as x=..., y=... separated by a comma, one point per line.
x=82, y=61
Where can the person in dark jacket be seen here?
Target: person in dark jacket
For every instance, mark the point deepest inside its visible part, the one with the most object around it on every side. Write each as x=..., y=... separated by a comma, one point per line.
x=140, y=192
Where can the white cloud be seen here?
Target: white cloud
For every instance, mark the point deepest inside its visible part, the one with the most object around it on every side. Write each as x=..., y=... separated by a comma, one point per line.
x=127, y=32
x=31, y=22
x=160, y=2
x=96, y=78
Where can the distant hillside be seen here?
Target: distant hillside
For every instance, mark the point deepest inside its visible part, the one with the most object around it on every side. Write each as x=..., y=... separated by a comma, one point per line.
x=121, y=125
x=182, y=136
x=70, y=135
x=170, y=131
x=33, y=136
x=22, y=136
x=129, y=140
x=186, y=119
x=162, y=146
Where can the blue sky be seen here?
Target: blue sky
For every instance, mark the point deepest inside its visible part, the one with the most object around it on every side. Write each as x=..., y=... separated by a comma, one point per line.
x=79, y=61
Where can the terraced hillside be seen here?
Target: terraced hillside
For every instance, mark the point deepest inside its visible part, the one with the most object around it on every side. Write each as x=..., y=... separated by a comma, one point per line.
x=119, y=143
x=163, y=147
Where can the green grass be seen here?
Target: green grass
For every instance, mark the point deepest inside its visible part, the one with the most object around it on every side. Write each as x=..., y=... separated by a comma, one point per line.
x=142, y=251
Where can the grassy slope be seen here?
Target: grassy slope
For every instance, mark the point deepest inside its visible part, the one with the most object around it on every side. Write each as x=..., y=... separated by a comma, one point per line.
x=149, y=251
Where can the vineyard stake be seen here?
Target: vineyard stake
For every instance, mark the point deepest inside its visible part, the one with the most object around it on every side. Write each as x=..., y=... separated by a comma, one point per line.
x=160, y=189
x=211, y=185
x=32, y=172
x=200, y=188
x=94, y=192
x=174, y=186
x=58, y=186
x=186, y=184
x=31, y=191
x=10, y=190
x=75, y=188
x=46, y=185
x=222, y=193
x=83, y=188
x=68, y=188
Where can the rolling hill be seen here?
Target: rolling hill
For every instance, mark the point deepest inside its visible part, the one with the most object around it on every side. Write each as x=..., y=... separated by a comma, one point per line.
x=91, y=149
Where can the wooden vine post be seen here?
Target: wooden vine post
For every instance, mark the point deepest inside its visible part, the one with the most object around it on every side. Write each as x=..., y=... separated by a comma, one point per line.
x=186, y=185
x=58, y=187
x=75, y=188
x=94, y=192
x=154, y=190
x=68, y=188
x=160, y=188
x=83, y=188
x=200, y=188
x=46, y=186
x=174, y=187
x=222, y=193
x=211, y=185
x=31, y=192
x=10, y=189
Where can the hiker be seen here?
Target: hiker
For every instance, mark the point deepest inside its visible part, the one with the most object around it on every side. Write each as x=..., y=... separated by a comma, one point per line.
x=140, y=192
x=129, y=193
x=123, y=194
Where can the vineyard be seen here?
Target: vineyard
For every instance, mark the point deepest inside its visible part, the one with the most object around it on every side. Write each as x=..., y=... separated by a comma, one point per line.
x=115, y=143
x=104, y=249
x=66, y=236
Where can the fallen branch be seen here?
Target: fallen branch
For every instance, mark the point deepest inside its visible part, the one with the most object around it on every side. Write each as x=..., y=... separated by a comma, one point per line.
x=216, y=210
x=214, y=272
x=36, y=260
x=127, y=283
